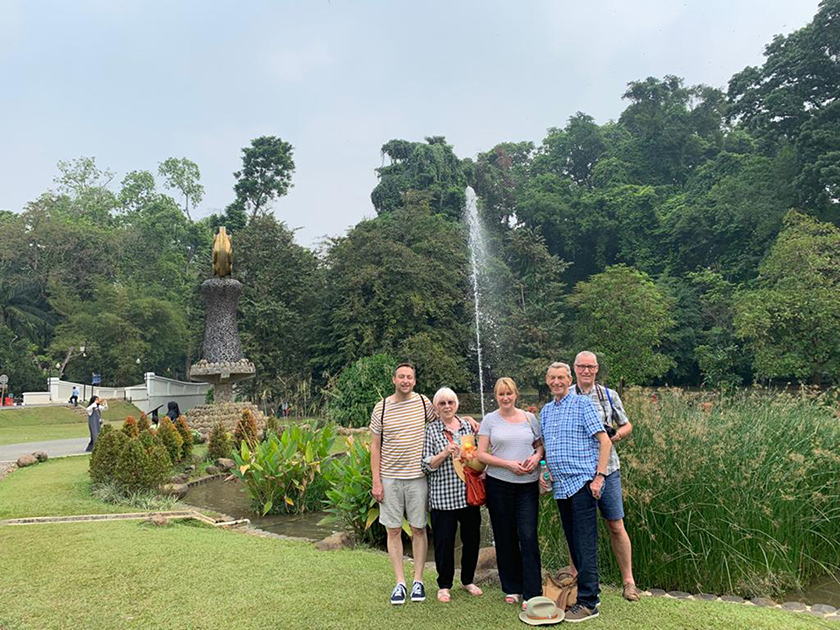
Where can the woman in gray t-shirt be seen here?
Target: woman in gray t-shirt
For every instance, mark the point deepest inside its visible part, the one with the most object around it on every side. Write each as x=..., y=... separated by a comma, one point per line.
x=510, y=443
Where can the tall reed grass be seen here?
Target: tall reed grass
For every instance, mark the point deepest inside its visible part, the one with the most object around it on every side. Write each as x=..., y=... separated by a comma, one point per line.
x=731, y=494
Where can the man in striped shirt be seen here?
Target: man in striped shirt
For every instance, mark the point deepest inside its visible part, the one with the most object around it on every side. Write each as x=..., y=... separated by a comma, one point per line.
x=397, y=428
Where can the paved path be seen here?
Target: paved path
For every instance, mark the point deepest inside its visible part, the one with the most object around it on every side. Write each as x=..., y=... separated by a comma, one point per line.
x=53, y=448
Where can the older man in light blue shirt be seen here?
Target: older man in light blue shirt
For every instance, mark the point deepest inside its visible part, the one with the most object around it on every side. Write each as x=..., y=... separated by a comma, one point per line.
x=577, y=451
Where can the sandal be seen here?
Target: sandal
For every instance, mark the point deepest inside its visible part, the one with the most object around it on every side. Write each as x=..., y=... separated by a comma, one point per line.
x=443, y=595
x=511, y=599
x=472, y=589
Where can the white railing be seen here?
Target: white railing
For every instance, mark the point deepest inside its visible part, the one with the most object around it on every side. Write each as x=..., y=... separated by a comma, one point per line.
x=155, y=391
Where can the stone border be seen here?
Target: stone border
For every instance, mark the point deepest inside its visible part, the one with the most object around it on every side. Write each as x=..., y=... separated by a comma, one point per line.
x=6, y=469
x=822, y=611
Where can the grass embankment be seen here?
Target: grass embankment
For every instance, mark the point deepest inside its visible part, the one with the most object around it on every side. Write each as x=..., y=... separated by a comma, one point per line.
x=133, y=575
x=36, y=424
x=727, y=494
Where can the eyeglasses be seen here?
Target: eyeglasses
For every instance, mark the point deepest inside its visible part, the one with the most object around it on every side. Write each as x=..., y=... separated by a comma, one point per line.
x=584, y=368
x=444, y=403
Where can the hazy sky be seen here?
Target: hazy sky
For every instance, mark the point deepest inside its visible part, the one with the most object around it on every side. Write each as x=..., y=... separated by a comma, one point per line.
x=132, y=83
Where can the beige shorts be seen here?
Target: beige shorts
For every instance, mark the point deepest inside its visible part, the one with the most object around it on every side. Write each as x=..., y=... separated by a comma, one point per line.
x=404, y=497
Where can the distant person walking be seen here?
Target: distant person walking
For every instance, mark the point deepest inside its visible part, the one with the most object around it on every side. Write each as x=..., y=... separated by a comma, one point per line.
x=74, y=396
x=94, y=411
x=173, y=411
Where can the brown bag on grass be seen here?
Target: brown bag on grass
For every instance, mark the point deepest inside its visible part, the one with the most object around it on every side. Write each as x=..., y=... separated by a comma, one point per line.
x=561, y=588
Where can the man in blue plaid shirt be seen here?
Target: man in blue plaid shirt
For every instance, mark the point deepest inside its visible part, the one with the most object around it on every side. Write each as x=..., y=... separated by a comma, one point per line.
x=577, y=450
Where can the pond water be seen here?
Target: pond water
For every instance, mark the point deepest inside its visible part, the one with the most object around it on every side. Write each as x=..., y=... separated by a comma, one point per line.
x=825, y=590
x=232, y=498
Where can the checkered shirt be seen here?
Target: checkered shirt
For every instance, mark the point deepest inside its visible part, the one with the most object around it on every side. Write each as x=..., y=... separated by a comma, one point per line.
x=571, y=448
x=446, y=490
x=604, y=408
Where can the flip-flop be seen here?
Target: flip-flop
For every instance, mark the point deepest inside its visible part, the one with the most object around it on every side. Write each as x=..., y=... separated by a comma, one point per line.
x=511, y=599
x=472, y=589
x=443, y=595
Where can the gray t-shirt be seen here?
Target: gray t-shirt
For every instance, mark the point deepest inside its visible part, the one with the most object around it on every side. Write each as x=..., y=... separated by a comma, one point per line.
x=511, y=440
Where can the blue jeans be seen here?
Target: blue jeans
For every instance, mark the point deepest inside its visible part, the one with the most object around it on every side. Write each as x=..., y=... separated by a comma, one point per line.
x=579, y=514
x=514, y=509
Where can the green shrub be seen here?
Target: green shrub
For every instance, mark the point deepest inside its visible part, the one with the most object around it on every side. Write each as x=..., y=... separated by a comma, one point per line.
x=143, y=423
x=727, y=494
x=170, y=438
x=358, y=387
x=246, y=430
x=349, y=500
x=106, y=452
x=131, y=473
x=130, y=428
x=186, y=438
x=219, y=444
x=158, y=467
x=279, y=470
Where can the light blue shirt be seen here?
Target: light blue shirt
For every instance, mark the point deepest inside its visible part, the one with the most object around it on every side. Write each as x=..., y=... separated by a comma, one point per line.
x=569, y=428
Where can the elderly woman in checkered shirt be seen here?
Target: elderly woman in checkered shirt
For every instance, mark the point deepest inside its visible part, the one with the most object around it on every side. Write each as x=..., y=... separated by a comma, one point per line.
x=448, y=496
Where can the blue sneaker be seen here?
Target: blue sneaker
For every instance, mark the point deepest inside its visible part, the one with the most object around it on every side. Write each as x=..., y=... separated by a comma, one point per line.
x=418, y=592
x=398, y=594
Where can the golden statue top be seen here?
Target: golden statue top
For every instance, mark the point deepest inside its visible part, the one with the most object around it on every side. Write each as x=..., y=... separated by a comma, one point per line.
x=222, y=254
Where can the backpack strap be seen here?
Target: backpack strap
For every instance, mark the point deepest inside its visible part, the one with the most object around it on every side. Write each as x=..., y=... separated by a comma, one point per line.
x=382, y=418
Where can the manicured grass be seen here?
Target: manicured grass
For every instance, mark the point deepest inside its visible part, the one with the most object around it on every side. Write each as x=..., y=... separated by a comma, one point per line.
x=58, y=487
x=133, y=575
x=35, y=424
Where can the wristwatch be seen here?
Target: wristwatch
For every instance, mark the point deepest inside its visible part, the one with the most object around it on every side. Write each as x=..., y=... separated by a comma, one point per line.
x=600, y=474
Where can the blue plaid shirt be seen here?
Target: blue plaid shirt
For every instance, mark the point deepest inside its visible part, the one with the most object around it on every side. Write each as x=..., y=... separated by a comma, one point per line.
x=571, y=448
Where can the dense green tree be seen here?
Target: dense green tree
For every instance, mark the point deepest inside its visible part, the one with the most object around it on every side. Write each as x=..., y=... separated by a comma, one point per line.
x=798, y=79
x=266, y=174
x=392, y=278
x=19, y=363
x=497, y=178
x=673, y=129
x=791, y=317
x=728, y=216
x=184, y=176
x=623, y=317
x=282, y=292
x=721, y=357
x=125, y=332
x=431, y=167
x=529, y=309
x=136, y=190
x=573, y=151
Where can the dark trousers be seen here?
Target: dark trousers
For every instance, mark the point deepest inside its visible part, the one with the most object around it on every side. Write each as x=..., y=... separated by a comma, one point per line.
x=579, y=514
x=444, y=525
x=514, y=510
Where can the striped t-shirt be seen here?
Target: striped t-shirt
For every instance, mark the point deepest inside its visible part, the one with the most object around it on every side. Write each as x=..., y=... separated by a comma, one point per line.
x=402, y=435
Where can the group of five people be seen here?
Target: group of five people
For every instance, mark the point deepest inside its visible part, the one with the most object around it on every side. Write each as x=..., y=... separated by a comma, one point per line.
x=415, y=454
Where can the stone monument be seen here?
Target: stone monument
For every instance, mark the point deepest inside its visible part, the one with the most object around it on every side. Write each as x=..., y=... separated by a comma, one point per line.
x=222, y=363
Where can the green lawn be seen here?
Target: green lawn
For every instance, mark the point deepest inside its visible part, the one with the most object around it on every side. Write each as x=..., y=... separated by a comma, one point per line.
x=58, y=487
x=109, y=575
x=35, y=424
x=133, y=575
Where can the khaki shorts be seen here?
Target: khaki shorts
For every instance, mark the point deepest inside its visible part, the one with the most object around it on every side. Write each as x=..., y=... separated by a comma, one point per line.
x=404, y=497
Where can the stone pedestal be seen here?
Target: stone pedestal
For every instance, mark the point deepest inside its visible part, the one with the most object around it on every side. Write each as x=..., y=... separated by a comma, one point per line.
x=204, y=417
x=222, y=363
